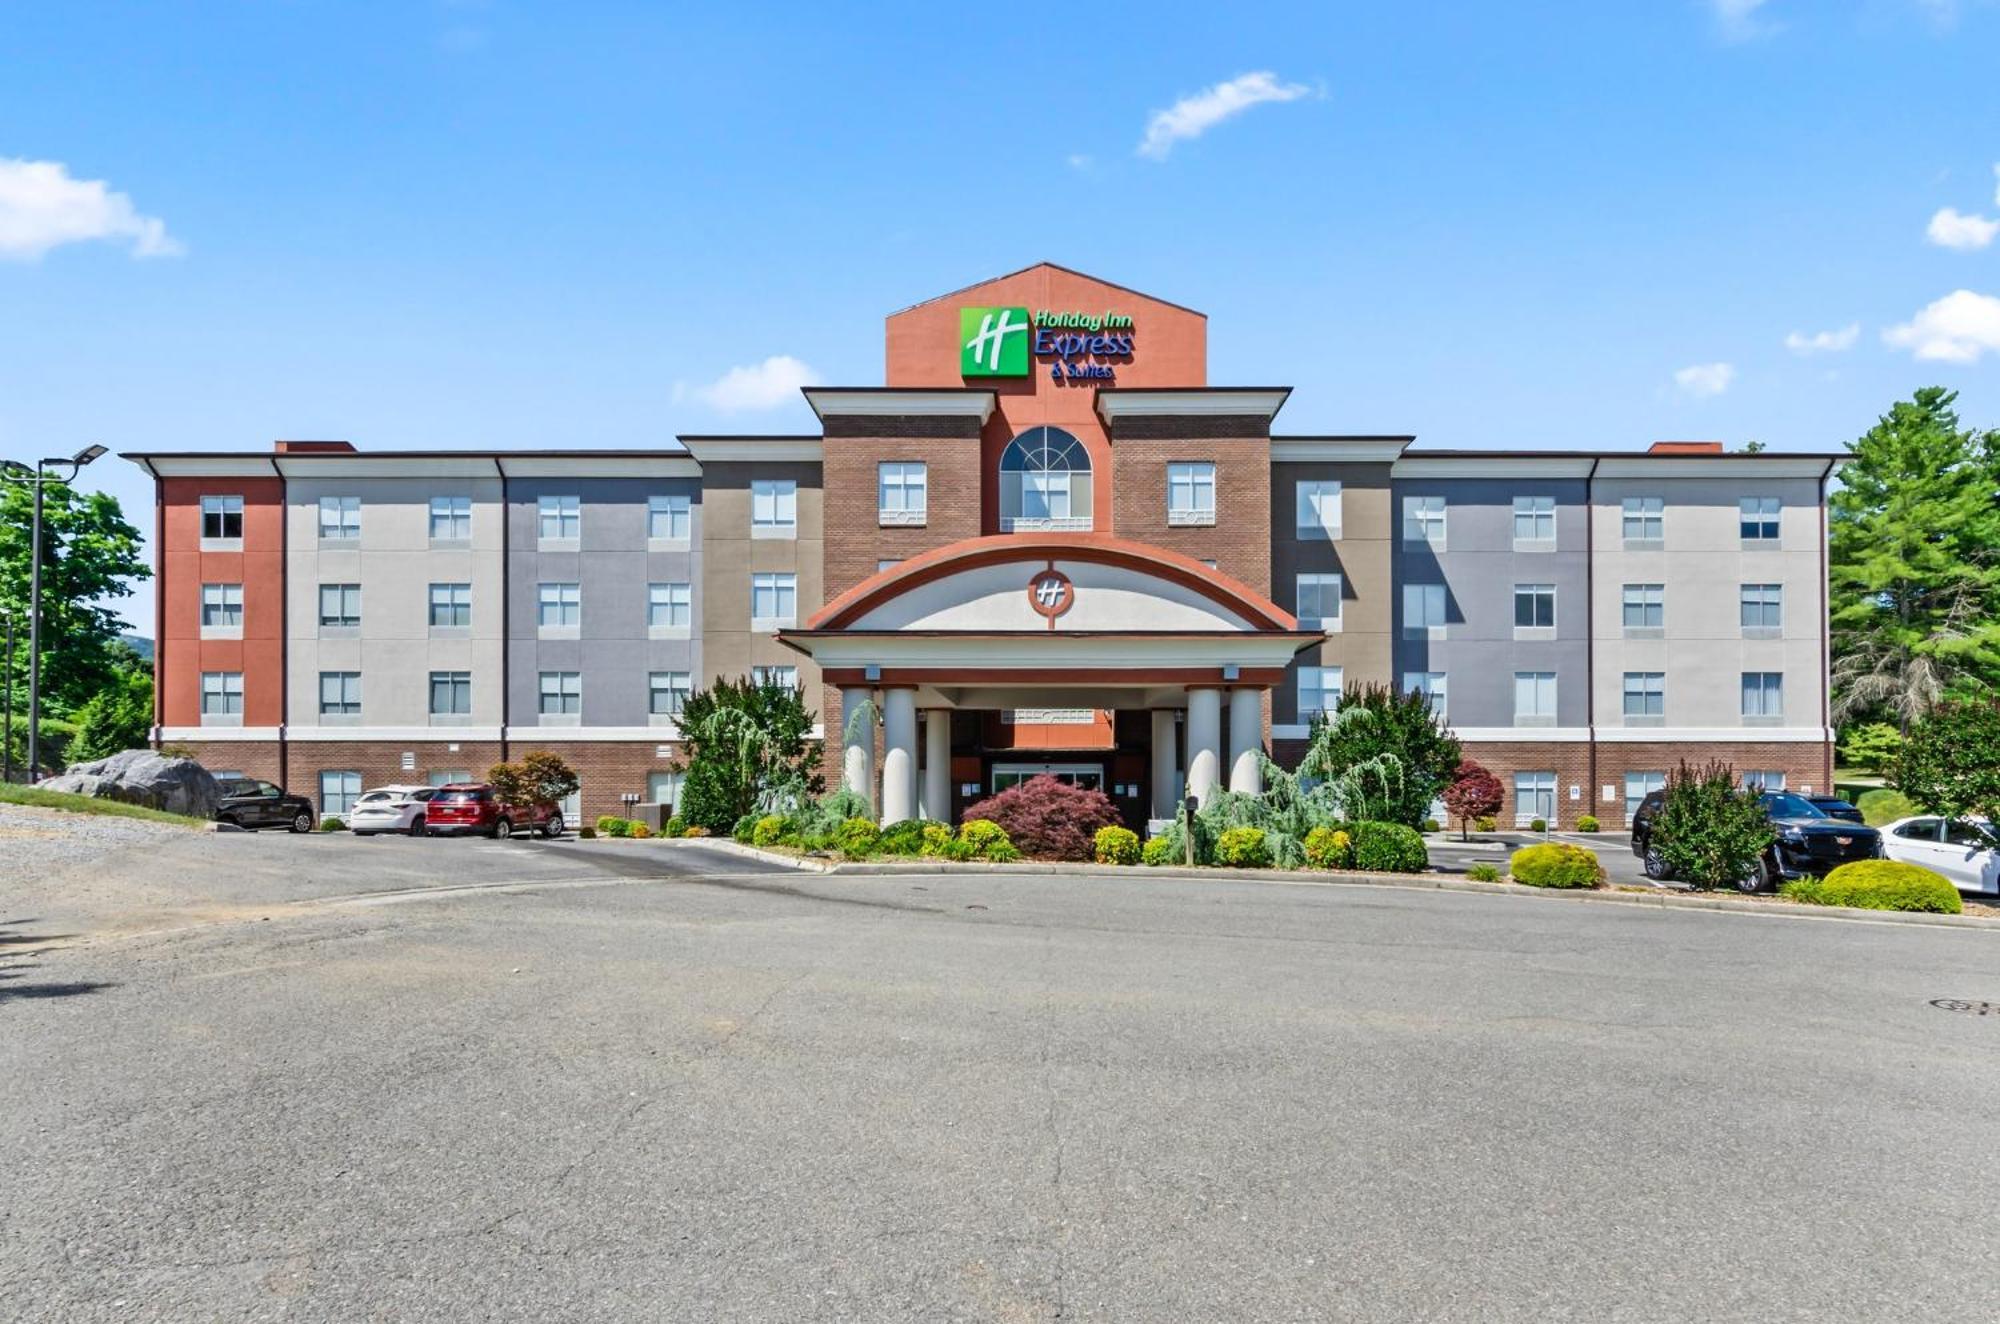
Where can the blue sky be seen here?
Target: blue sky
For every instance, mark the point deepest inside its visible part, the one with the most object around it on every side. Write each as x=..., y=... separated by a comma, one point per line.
x=503, y=224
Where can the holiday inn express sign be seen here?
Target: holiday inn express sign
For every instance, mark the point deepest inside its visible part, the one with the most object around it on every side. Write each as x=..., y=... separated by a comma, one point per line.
x=1004, y=342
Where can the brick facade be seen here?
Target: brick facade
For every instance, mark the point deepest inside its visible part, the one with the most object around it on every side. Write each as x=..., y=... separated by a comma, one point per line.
x=1239, y=541
x=855, y=540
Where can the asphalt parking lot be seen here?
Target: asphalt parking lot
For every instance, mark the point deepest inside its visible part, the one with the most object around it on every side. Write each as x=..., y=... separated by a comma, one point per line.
x=313, y=1079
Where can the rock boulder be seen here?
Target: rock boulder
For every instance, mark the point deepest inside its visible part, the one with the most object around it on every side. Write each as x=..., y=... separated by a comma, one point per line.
x=142, y=777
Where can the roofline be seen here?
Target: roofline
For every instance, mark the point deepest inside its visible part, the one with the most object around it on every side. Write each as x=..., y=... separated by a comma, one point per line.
x=595, y=453
x=1462, y=454
x=1056, y=266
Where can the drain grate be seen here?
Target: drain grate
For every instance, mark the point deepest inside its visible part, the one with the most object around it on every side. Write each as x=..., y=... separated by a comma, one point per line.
x=1972, y=1008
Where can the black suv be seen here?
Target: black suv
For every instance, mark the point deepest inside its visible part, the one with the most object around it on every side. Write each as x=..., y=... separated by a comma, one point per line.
x=251, y=804
x=1810, y=841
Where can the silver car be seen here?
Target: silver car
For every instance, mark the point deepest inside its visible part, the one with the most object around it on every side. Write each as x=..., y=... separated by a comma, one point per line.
x=390, y=809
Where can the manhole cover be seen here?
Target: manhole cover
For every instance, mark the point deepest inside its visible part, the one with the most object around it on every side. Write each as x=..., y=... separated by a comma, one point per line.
x=1972, y=1008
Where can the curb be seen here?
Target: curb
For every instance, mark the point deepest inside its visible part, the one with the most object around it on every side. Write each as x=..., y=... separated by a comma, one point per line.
x=1415, y=882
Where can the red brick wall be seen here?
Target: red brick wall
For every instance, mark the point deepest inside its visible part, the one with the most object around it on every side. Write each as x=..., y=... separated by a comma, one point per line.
x=1239, y=541
x=854, y=540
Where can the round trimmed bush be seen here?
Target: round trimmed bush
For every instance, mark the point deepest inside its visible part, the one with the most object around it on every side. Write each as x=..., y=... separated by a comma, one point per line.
x=1556, y=864
x=1880, y=885
x=1159, y=851
x=1389, y=848
x=1539, y=825
x=745, y=828
x=611, y=826
x=1116, y=845
x=1329, y=848
x=1586, y=824
x=987, y=840
x=675, y=827
x=1482, y=872
x=332, y=823
x=1484, y=823
x=936, y=836
x=586, y=833
x=857, y=838
x=640, y=831
x=1884, y=806
x=1430, y=825
x=1242, y=848
x=770, y=829
x=905, y=837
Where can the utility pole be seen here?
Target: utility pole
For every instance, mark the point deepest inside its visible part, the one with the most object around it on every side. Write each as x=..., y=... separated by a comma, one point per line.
x=14, y=471
x=7, y=757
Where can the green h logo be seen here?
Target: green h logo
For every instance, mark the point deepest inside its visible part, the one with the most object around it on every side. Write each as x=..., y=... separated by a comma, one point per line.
x=993, y=342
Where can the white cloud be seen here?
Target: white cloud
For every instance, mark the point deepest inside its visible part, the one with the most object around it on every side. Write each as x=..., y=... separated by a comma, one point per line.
x=1823, y=342
x=1955, y=329
x=42, y=208
x=775, y=381
x=1078, y=160
x=1702, y=380
x=1741, y=20
x=1951, y=228
x=1192, y=116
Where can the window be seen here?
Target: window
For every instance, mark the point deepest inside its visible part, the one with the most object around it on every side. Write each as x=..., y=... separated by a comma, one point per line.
x=669, y=606
x=1645, y=606
x=1763, y=781
x=221, y=606
x=558, y=606
x=785, y=678
x=1430, y=684
x=1645, y=694
x=667, y=692
x=1423, y=519
x=560, y=518
x=663, y=788
x=451, y=518
x=1423, y=607
x=901, y=491
x=340, y=694
x=1758, y=517
x=1044, y=482
x=774, y=600
x=340, y=518
x=1318, y=508
x=1645, y=519
x=1191, y=492
x=1763, y=694
x=222, y=518
x=1319, y=601
x=449, y=776
x=1639, y=785
x=561, y=693
x=774, y=508
x=337, y=793
x=339, y=605
x=1534, y=606
x=889, y=563
x=1319, y=691
x=1535, y=519
x=451, y=606
x=451, y=693
x=668, y=517
x=1763, y=607
x=221, y=694
x=1534, y=797
x=1534, y=698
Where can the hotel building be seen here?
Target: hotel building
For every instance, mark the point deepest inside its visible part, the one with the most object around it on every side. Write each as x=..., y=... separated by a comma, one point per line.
x=1044, y=543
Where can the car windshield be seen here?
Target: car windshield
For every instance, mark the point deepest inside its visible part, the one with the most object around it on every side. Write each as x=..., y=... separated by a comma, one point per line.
x=376, y=797
x=1793, y=806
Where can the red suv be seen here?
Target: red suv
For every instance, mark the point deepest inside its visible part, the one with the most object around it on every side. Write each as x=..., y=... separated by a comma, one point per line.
x=473, y=807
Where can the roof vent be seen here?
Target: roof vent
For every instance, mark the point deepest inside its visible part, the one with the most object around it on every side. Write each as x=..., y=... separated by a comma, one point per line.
x=1685, y=448
x=315, y=447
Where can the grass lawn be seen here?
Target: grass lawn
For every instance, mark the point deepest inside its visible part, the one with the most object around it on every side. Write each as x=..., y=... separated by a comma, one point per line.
x=11, y=794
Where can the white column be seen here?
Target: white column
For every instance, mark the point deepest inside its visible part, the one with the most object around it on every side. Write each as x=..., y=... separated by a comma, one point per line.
x=857, y=743
x=937, y=765
x=1166, y=765
x=899, y=755
x=1204, y=743
x=1246, y=741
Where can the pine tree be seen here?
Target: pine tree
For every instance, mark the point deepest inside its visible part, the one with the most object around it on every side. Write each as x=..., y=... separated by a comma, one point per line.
x=1915, y=568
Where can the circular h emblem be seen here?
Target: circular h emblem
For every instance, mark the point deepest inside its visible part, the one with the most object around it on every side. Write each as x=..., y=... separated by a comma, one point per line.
x=1051, y=594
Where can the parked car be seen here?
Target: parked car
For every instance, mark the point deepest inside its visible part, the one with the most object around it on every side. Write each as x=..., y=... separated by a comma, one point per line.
x=1809, y=841
x=472, y=807
x=1835, y=807
x=391, y=809
x=251, y=804
x=1964, y=850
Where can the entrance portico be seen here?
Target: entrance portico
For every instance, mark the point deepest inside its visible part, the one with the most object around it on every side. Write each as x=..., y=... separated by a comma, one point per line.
x=1052, y=621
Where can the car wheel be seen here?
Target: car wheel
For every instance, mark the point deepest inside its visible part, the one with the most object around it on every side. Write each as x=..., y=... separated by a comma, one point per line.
x=302, y=821
x=502, y=830
x=553, y=828
x=1655, y=864
x=417, y=826
x=1762, y=878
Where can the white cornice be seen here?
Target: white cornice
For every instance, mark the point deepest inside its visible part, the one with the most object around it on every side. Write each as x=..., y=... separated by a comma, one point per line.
x=1114, y=405
x=381, y=466
x=208, y=466
x=1522, y=735
x=552, y=735
x=1498, y=465
x=175, y=735
x=608, y=466
x=1716, y=466
x=926, y=404
x=1735, y=735
x=397, y=735
x=1353, y=450
x=752, y=450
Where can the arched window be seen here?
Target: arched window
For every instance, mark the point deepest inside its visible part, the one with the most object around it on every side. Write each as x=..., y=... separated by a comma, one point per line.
x=1044, y=482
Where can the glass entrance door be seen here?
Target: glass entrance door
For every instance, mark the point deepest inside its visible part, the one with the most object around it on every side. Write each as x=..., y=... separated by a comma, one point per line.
x=1090, y=776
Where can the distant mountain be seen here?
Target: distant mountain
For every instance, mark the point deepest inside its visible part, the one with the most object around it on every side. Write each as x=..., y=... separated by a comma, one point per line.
x=139, y=644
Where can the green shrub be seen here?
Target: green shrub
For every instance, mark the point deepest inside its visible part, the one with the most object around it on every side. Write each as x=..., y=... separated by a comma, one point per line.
x=1587, y=823
x=1879, y=807
x=744, y=829
x=1483, y=872
x=769, y=829
x=1539, y=825
x=1430, y=825
x=1116, y=845
x=1389, y=848
x=640, y=831
x=332, y=823
x=983, y=834
x=937, y=836
x=1329, y=848
x=1005, y=852
x=586, y=833
x=906, y=837
x=604, y=822
x=614, y=827
x=694, y=830
x=1880, y=885
x=857, y=838
x=1556, y=864
x=1485, y=823
x=676, y=826
x=1709, y=831
x=1159, y=851
x=1242, y=848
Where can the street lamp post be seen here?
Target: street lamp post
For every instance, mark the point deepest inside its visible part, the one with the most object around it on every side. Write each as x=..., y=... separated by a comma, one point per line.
x=39, y=476
x=7, y=746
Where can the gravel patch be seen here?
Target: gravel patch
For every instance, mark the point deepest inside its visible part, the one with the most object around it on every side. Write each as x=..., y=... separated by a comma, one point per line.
x=37, y=845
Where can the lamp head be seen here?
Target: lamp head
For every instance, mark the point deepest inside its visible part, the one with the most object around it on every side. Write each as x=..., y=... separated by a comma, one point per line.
x=15, y=469
x=87, y=454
